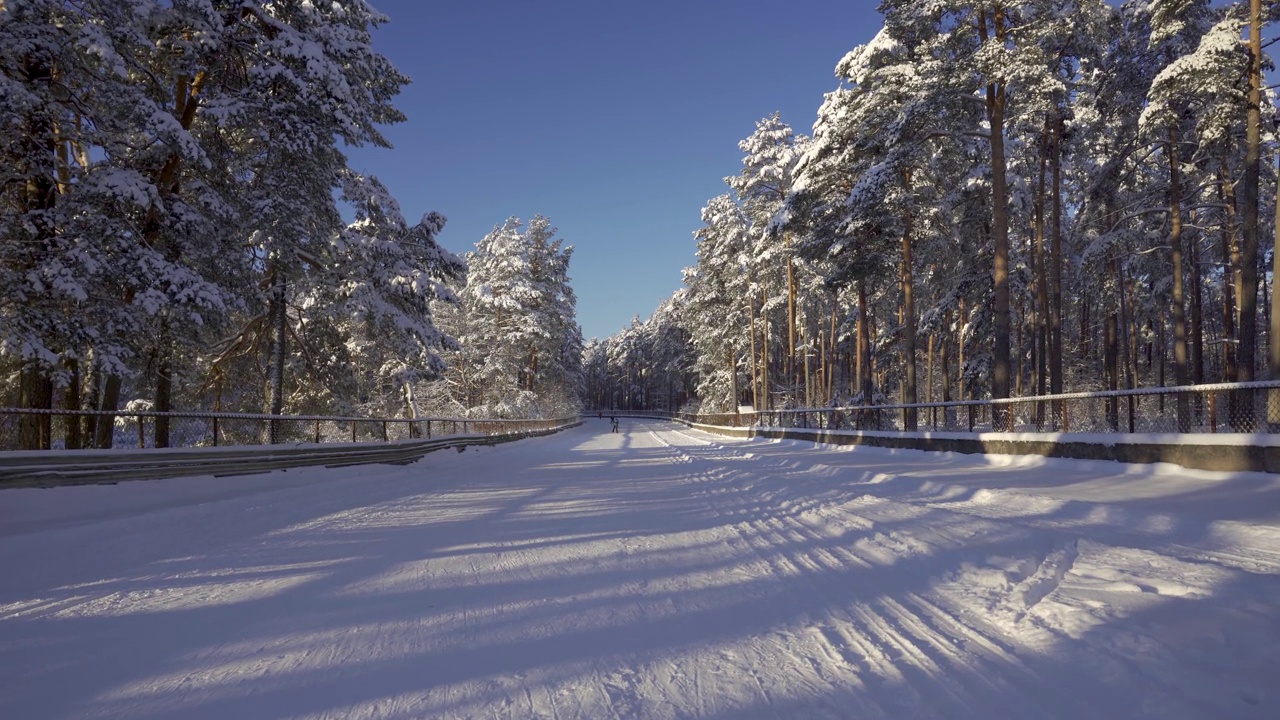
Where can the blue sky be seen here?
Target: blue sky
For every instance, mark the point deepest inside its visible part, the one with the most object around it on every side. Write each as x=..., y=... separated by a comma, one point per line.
x=616, y=120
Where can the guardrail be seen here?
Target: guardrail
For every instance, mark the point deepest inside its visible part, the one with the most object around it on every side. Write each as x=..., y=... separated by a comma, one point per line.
x=42, y=468
x=83, y=429
x=1252, y=407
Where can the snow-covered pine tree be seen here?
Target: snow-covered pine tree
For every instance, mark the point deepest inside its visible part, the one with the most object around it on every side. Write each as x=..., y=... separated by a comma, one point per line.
x=381, y=285
x=717, y=311
x=521, y=344
x=1177, y=28
x=762, y=186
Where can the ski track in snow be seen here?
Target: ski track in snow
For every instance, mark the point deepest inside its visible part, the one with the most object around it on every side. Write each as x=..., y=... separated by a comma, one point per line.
x=656, y=573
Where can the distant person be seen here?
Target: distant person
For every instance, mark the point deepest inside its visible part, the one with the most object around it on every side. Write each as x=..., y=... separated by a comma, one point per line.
x=614, y=422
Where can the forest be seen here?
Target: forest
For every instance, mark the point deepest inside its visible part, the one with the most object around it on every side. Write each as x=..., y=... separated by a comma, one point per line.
x=181, y=230
x=999, y=199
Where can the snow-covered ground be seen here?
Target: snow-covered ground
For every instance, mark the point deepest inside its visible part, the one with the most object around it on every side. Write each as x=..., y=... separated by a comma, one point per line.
x=657, y=573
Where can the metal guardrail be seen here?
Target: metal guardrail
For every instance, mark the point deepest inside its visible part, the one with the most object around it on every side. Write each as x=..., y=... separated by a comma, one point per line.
x=77, y=429
x=38, y=468
x=1252, y=407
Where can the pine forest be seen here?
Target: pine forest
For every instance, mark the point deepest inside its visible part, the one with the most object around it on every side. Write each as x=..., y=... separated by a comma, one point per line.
x=998, y=198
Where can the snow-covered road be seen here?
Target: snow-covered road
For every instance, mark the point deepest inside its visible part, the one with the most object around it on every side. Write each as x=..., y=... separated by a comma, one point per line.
x=656, y=573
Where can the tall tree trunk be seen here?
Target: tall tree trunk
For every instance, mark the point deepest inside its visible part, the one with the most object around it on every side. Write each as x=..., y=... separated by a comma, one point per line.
x=71, y=403
x=1055, y=263
x=1229, y=372
x=1179, y=309
x=733, y=378
x=1249, y=231
x=996, y=98
x=965, y=392
x=1019, y=349
x=1237, y=254
x=930, y=376
x=1131, y=328
x=90, y=401
x=791, y=369
x=279, y=321
x=909, y=391
x=1197, y=310
x=1042, y=279
x=35, y=392
x=1273, y=340
x=1112, y=364
x=765, y=386
x=110, y=401
x=866, y=386
x=1086, y=330
x=831, y=352
x=949, y=413
x=808, y=373
x=755, y=363
x=164, y=382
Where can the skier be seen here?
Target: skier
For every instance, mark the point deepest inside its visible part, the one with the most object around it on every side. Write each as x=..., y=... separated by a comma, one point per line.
x=614, y=422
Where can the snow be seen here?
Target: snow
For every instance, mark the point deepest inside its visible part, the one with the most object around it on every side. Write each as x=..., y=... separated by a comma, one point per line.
x=661, y=572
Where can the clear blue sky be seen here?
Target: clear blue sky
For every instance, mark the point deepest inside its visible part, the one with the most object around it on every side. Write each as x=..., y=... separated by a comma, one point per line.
x=616, y=120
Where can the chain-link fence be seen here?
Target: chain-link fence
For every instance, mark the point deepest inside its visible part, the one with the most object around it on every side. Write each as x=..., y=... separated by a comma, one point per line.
x=1222, y=408
x=62, y=429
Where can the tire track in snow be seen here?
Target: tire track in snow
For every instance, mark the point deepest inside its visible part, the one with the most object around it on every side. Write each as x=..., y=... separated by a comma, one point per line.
x=847, y=632
x=741, y=538
x=856, y=635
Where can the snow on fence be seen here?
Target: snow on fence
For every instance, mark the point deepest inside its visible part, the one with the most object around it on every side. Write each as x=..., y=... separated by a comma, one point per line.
x=80, y=429
x=1252, y=407
x=394, y=440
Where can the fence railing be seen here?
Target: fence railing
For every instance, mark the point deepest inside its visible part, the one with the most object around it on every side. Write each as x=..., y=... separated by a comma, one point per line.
x=81, y=429
x=1252, y=407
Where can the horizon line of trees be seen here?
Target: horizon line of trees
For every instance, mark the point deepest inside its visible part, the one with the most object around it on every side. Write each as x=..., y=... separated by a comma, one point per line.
x=1001, y=198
